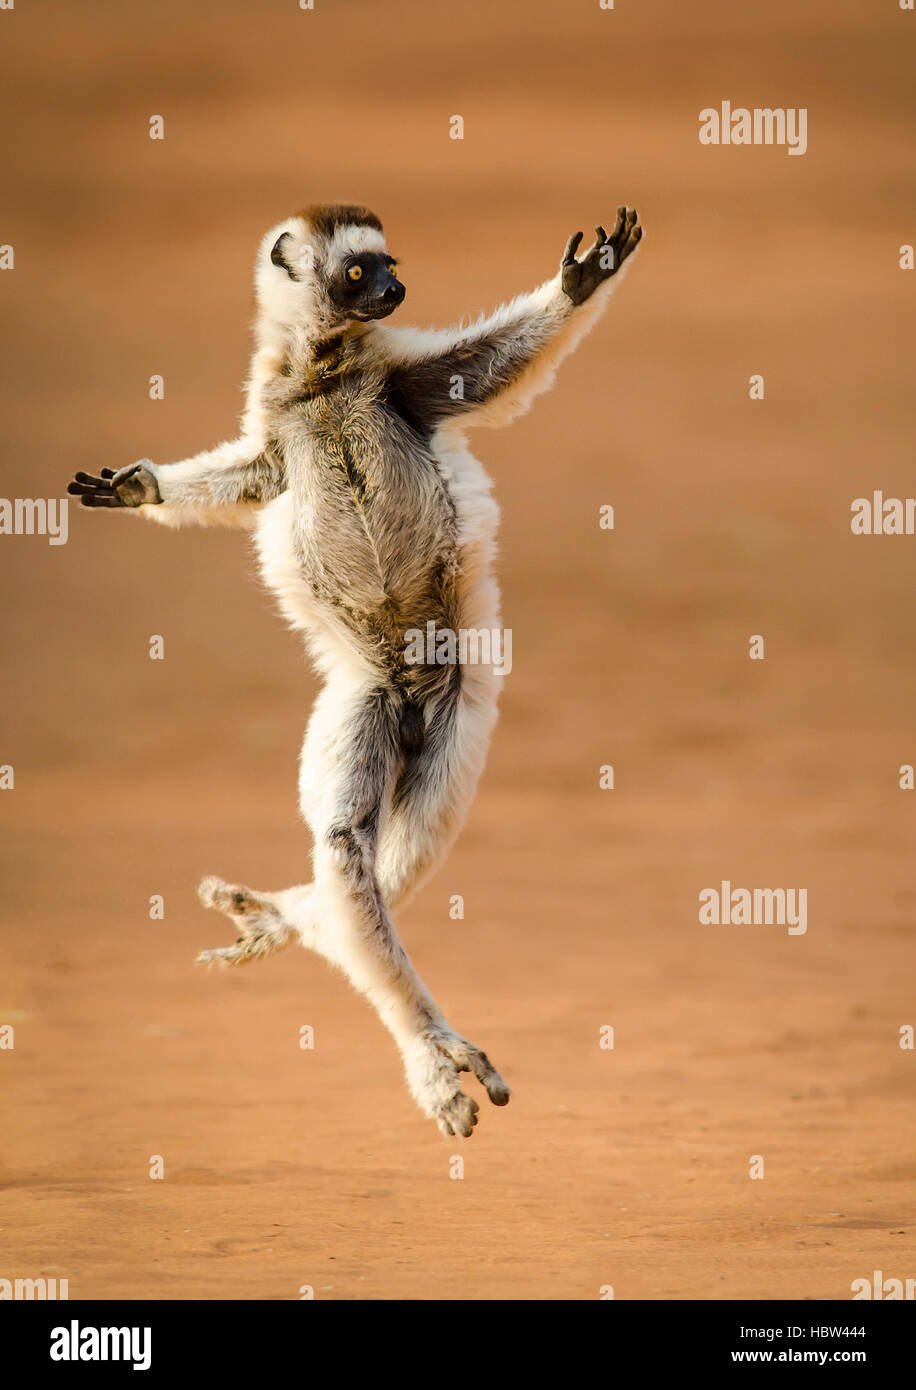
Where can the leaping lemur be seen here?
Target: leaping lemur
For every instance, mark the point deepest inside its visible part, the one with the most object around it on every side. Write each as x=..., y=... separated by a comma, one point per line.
x=372, y=519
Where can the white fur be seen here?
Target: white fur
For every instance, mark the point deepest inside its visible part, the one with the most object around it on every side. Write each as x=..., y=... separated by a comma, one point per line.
x=351, y=241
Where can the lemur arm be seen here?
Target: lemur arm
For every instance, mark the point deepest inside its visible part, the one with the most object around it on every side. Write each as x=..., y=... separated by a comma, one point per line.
x=223, y=485
x=490, y=371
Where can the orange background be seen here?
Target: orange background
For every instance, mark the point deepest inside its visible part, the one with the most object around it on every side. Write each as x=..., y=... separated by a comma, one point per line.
x=134, y=777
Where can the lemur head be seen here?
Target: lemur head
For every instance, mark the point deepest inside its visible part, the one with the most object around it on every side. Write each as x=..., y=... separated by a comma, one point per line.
x=326, y=269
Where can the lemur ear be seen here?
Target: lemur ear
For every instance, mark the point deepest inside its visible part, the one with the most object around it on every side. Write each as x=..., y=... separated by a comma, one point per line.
x=277, y=257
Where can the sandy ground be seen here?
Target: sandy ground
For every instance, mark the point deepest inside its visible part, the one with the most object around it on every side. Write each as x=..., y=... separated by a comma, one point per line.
x=286, y=1167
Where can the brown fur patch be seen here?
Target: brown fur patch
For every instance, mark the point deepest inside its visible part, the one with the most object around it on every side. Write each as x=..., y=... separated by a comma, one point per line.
x=327, y=347
x=325, y=218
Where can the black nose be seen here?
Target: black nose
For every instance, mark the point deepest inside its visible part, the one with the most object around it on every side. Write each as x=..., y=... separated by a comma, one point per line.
x=394, y=294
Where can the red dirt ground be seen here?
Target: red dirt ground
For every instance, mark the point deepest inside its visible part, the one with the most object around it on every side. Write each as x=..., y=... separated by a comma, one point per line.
x=629, y=1167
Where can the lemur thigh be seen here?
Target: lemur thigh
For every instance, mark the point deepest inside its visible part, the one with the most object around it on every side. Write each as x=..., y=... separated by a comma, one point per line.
x=434, y=791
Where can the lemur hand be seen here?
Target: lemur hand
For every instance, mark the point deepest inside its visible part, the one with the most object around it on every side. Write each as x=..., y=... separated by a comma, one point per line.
x=129, y=487
x=581, y=278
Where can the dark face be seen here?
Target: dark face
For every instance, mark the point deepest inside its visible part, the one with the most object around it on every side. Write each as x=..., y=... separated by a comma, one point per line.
x=366, y=286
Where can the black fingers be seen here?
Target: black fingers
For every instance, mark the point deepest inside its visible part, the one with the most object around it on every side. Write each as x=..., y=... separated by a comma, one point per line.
x=86, y=482
x=619, y=224
x=626, y=221
x=101, y=499
x=93, y=491
x=626, y=234
x=623, y=239
x=631, y=243
x=572, y=246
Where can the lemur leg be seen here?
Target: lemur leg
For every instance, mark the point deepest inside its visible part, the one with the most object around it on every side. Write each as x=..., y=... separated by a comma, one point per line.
x=379, y=826
x=429, y=806
x=434, y=790
x=351, y=762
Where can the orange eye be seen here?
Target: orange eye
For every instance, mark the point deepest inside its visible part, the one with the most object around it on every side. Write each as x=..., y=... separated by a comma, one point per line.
x=355, y=272
x=392, y=269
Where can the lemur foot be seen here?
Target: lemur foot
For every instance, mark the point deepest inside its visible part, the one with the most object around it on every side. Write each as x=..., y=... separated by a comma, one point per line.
x=262, y=929
x=434, y=1080
x=580, y=279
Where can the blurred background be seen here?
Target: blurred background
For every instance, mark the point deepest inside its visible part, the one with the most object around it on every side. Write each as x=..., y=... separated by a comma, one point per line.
x=133, y=777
